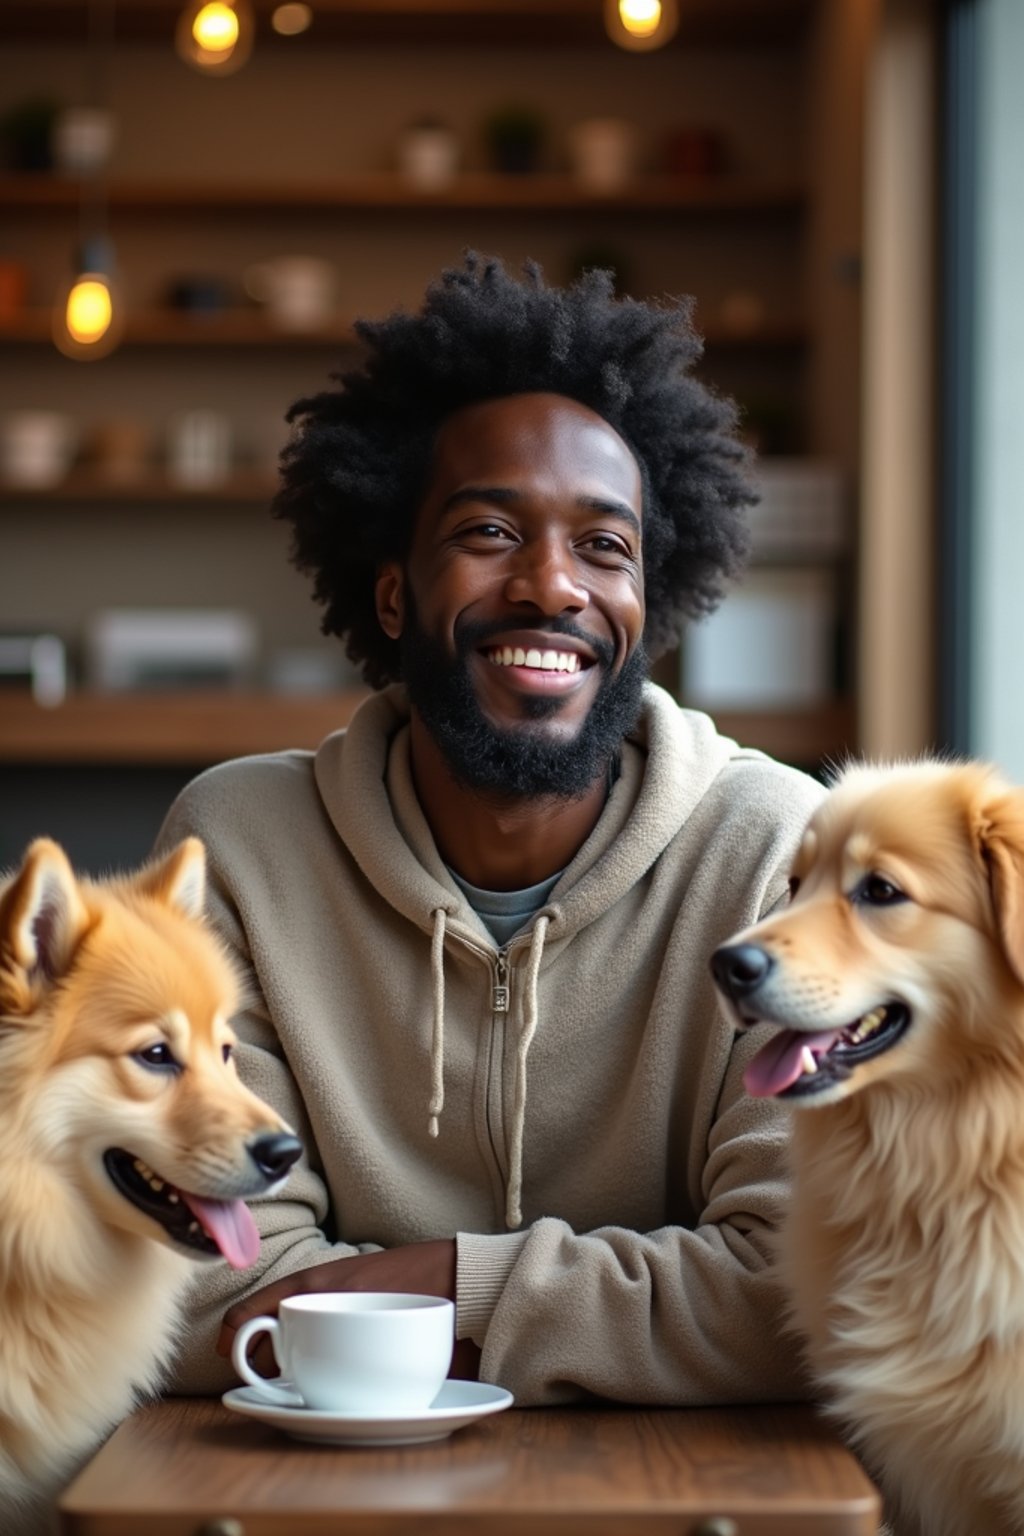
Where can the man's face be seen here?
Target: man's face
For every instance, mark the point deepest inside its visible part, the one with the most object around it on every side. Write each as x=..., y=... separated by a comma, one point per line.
x=521, y=608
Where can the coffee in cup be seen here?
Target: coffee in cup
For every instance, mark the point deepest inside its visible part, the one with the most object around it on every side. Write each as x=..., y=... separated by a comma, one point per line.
x=363, y=1352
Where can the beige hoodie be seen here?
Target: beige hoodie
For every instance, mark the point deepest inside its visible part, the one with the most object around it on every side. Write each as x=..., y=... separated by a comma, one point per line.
x=611, y=1187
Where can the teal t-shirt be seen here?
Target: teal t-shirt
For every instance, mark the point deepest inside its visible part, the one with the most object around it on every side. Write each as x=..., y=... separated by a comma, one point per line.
x=503, y=913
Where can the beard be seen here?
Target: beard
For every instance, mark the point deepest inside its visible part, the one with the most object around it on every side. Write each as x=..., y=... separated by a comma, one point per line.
x=525, y=762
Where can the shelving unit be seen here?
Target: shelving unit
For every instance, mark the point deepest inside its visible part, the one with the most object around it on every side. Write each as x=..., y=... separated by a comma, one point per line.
x=197, y=728
x=152, y=541
x=532, y=193
x=250, y=328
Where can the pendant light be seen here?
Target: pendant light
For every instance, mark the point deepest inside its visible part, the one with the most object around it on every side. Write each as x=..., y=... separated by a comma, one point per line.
x=88, y=316
x=215, y=36
x=641, y=25
x=88, y=320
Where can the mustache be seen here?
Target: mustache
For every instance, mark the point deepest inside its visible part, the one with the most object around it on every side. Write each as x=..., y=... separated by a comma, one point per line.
x=472, y=634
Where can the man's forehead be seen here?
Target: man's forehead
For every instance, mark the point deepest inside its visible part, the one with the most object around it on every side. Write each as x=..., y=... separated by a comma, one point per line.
x=529, y=432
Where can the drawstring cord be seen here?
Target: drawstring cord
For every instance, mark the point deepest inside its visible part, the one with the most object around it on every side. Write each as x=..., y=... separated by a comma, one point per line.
x=437, y=1038
x=514, y=1192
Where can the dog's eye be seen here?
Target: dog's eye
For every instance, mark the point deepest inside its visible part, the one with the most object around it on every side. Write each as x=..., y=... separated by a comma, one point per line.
x=794, y=886
x=877, y=891
x=227, y=1052
x=159, y=1056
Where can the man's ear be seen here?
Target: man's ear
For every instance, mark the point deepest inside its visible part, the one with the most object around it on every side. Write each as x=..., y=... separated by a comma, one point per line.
x=42, y=916
x=389, y=598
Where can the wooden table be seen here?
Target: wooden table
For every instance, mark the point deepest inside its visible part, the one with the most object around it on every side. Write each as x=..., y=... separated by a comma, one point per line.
x=188, y=1467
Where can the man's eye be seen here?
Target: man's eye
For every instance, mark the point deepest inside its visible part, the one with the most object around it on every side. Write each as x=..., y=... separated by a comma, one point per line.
x=158, y=1056
x=877, y=891
x=489, y=531
x=606, y=544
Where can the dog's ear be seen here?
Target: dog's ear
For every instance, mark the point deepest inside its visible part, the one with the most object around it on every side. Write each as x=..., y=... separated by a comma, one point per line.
x=42, y=915
x=178, y=879
x=1002, y=844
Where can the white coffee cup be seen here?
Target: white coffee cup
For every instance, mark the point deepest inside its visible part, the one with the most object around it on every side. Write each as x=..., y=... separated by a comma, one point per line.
x=354, y=1351
x=603, y=153
x=200, y=448
x=37, y=448
x=300, y=292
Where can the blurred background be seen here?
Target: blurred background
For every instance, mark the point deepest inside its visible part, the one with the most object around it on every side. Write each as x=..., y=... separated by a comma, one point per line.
x=197, y=200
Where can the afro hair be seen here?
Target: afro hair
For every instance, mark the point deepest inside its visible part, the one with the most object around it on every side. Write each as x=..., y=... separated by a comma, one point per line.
x=356, y=467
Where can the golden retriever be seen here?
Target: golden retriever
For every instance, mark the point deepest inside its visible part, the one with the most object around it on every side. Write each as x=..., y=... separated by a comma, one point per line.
x=894, y=985
x=127, y=1147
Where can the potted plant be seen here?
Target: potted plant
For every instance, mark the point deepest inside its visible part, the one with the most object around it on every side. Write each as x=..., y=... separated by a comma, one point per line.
x=26, y=132
x=514, y=136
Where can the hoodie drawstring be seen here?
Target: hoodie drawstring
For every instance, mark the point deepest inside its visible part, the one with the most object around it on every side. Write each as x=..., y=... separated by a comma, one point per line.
x=437, y=1038
x=514, y=1190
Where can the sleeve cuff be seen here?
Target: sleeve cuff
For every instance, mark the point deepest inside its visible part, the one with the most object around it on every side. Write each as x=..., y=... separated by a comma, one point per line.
x=483, y=1265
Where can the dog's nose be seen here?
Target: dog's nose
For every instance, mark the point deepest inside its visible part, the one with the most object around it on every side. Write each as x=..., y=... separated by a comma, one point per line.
x=739, y=969
x=275, y=1153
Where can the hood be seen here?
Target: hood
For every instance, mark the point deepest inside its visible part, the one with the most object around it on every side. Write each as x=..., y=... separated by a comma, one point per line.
x=364, y=777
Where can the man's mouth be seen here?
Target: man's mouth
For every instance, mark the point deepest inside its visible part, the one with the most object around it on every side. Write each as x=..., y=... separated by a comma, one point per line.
x=211, y=1228
x=797, y=1063
x=543, y=661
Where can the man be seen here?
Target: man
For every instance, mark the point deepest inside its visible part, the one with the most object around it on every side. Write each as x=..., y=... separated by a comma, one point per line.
x=477, y=923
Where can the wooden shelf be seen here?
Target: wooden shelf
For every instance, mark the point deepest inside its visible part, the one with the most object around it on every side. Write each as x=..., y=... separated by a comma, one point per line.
x=193, y=727
x=179, y=328
x=252, y=328
x=206, y=727
x=471, y=193
x=92, y=487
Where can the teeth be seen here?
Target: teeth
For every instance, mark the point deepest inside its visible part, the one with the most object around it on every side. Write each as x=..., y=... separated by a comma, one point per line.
x=145, y=1171
x=868, y=1025
x=808, y=1065
x=541, y=661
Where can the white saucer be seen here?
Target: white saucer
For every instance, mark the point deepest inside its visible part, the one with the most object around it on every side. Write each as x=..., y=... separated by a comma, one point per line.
x=458, y=1403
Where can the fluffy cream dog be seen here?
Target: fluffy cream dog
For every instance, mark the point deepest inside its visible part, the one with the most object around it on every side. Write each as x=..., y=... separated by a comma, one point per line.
x=127, y=1146
x=894, y=985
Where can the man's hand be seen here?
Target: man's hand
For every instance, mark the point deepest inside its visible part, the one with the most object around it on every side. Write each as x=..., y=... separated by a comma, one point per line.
x=425, y=1269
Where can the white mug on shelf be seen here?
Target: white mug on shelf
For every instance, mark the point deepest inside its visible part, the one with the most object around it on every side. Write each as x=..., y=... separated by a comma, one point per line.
x=602, y=152
x=200, y=448
x=37, y=448
x=354, y=1351
x=300, y=292
x=83, y=139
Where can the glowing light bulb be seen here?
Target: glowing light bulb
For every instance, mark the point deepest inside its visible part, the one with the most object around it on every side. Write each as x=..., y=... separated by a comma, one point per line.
x=90, y=309
x=88, y=318
x=215, y=36
x=640, y=17
x=215, y=28
x=641, y=24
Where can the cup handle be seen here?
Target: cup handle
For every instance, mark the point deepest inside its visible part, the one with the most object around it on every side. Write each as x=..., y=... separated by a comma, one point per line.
x=248, y=1331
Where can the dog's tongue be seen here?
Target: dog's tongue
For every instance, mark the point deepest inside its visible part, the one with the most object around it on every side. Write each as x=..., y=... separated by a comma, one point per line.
x=230, y=1224
x=778, y=1064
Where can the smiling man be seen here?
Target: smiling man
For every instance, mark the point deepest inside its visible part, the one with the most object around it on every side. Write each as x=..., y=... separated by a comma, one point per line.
x=476, y=924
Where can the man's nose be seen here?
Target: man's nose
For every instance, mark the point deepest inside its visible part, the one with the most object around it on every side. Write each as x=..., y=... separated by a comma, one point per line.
x=544, y=575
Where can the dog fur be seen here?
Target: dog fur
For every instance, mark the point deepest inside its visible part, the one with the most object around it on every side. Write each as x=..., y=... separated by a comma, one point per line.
x=903, y=1250
x=114, y=1002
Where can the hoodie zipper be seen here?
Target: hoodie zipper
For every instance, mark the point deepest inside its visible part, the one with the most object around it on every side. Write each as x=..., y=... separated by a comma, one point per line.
x=500, y=992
